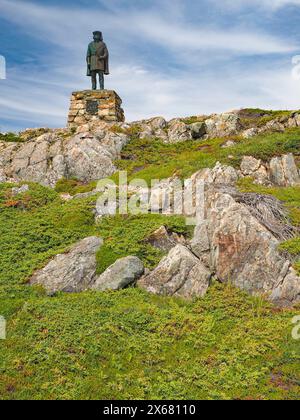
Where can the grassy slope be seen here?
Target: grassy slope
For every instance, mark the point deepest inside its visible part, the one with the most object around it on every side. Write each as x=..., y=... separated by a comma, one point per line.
x=148, y=159
x=132, y=344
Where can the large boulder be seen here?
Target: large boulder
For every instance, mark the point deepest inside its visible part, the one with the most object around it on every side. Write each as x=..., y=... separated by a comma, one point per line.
x=121, y=274
x=164, y=240
x=151, y=128
x=71, y=272
x=87, y=159
x=178, y=132
x=223, y=125
x=219, y=174
x=250, y=132
x=159, y=199
x=238, y=248
x=40, y=160
x=179, y=274
x=287, y=292
x=158, y=123
x=198, y=130
x=55, y=155
x=284, y=172
x=254, y=168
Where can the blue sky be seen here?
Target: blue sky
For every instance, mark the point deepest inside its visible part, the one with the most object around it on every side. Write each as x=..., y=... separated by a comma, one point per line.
x=168, y=57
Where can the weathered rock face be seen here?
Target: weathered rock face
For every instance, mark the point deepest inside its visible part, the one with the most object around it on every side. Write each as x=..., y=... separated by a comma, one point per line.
x=223, y=125
x=208, y=127
x=178, y=274
x=220, y=174
x=254, y=168
x=178, y=132
x=121, y=274
x=287, y=292
x=251, y=132
x=284, y=172
x=237, y=248
x=198, y=130
x=19, y=190
x=165, y=197
x=152, y=128
x=51, y=157
x=71, y=272
x=165, y=241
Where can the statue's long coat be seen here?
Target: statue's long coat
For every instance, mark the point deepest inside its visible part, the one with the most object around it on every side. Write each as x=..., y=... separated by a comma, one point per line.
x=97, y=57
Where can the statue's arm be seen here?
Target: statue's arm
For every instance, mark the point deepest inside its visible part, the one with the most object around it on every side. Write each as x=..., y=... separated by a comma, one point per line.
x=88, y=55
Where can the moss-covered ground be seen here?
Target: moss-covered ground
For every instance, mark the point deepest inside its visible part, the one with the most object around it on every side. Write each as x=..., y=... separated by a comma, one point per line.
x=131, y=344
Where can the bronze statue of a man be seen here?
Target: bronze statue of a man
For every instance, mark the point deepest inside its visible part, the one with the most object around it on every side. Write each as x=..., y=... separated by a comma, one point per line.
x=97, y=60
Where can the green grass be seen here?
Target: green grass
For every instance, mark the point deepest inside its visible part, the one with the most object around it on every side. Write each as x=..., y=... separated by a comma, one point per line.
x=31, y=235
x=194, y=119
x=131, y=344
x=44, y=226
x=74, y=186
x=10, y=137
x=152, y=159
x=255, y=117
x=125, y=235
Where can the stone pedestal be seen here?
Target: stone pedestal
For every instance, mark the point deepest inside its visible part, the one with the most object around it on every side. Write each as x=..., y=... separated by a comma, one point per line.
x=95, y=105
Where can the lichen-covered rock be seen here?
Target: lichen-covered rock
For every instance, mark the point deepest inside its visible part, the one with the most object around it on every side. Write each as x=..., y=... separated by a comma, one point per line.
x=249, y=165
x=178, y=274
x=251, y=132
x=121, y=274
x=51, y=156
x=3, y=177
x=87, y=159
x=223, y=125
x=198, y=130
x=178, y=132
x=284, y=172
x=19, y=190
x=164, y=240
x=274, y=125
x=71, y=272
x=160, y=198
x=238, y=248
x=287, y=292
x=158, y=123
x=254, y=168
x=151, y=128
x=228, y=144
x=146, y=131
x=220, y=174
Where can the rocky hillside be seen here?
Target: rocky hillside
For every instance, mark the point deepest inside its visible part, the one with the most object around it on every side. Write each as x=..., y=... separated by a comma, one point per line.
x=45, y=156
x=64, y=260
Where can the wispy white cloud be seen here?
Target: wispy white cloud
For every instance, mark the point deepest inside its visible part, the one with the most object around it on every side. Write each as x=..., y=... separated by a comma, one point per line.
x=68, y=28
x=205, y=73
x=272, y=5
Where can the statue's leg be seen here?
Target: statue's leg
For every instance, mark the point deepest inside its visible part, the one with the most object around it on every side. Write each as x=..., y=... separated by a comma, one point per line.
x=101, y=80
x=94, y=79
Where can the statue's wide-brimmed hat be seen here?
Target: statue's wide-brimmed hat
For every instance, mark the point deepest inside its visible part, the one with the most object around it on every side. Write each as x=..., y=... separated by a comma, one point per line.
x=97, y=33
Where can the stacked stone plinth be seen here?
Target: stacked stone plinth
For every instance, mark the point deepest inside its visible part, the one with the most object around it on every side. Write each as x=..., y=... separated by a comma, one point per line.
x=95, y=105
